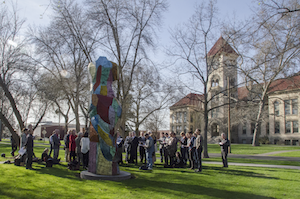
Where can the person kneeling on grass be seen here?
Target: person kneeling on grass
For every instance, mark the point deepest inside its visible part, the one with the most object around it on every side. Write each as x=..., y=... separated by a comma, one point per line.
x=179, y=162
x=46, y=158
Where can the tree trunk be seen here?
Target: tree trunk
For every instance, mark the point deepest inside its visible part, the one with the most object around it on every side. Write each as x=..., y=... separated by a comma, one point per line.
x=12, y=103
x=255, y=140
x=1, y=130
x=16, y=137
x=205, y=150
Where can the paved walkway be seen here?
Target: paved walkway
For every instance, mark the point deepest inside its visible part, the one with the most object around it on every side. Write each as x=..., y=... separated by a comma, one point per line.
x=276, y=152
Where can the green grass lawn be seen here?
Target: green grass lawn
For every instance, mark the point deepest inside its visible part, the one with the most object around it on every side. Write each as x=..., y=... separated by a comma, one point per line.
x=213, y=182
x=6, y=148
x=254, y=161
x=247, y=149
x=288, y=154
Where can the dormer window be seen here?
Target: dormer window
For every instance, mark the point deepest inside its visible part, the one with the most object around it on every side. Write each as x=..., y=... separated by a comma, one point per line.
x=214, y=82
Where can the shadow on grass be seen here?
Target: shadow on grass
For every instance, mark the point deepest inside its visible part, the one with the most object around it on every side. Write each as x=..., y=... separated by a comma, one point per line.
x=59, y=170
x=184, y=190
x=223, y=170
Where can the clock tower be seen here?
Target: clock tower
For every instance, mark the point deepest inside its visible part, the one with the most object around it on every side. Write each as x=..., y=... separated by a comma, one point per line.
x=223, y=69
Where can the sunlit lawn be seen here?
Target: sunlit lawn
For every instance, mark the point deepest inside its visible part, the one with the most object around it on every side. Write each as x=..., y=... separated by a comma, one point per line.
x=289, y=154
x=213, y=182
x=248, y=149
x=6, y=148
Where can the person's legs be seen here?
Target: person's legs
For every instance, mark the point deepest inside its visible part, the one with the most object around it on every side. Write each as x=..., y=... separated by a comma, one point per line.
x=29, y=159
x=224, y=159
x=191, y=159
x=85, y=157
x=141, y=153
x=161, y=154
x=149, y=159
x=14, y=148
x=80, y=158
x=50, y=150
x=67, y=154
x=166, y=156
x=55, y=155
x=199, y=159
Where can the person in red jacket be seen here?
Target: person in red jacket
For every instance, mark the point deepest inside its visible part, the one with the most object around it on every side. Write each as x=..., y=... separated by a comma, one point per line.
x=72, y=145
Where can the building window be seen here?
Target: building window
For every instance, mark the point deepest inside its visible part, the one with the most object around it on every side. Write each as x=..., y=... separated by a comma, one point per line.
x=177, y=115
x=180, y=117
x=277, y=127
x=215, y=130
x=173, y=118
x=191, y=129
x=287, y=142
x=244, y=141
x=276, y=141
x=185, y=129
x=295, y=142
x=287, y=107
x=287, y=127
x=295, y=127
x=268, y=128
x=214, y=83
x=173, y=128
x=184, y=117
x=232, y=81
x=276, y=108
x=252, y=128
x=245, y=129
x=294, y=106
x=214, y=113
x=177, y=129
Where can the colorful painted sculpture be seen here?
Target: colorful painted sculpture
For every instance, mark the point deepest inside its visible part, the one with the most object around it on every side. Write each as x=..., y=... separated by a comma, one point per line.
x=104, y=114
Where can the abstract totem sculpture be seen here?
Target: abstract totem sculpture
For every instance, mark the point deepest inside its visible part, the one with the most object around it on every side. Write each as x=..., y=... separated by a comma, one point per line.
x=104, y=113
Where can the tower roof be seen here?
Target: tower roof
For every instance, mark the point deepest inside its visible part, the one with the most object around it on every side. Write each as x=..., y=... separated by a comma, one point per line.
x=191, y=99
x=221, y=46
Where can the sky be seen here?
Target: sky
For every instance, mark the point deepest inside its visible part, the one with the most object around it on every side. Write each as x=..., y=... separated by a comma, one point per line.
x=37, y=12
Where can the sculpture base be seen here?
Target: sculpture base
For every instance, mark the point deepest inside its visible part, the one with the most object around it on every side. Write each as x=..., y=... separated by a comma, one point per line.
x=91, y=176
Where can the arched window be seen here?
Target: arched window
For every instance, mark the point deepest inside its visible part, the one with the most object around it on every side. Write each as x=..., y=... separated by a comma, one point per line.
x=215, y=81
x=215, y=130
x=276, y=108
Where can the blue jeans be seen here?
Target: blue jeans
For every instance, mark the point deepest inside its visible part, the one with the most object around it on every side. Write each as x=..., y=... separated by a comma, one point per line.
x=149, y=158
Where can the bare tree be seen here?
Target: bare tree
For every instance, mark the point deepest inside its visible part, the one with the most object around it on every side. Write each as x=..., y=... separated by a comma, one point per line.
x=16, y=73
x=156, y=121
x=130, y=30
x=149, y=95
x=191, y=42
x=269, y=49
x=66, y=47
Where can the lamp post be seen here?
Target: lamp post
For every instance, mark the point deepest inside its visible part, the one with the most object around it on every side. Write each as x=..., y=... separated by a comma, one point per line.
x=229, y=123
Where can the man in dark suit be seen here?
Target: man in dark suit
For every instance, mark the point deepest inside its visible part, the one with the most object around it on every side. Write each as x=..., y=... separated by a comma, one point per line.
x=133, y=148
x=224, y=143
x=29, y=149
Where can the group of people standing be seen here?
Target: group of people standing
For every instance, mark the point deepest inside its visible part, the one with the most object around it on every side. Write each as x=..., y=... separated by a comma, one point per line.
x=146, y=144
x=190, y=149
x=77, y=147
